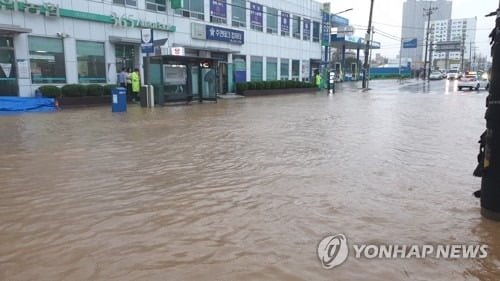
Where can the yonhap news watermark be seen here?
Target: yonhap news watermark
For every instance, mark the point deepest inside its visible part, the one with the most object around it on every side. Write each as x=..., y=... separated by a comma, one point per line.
x=333, y=250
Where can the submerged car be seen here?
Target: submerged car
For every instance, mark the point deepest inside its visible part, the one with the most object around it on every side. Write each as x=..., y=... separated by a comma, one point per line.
x=435, y=75
x=473, y=81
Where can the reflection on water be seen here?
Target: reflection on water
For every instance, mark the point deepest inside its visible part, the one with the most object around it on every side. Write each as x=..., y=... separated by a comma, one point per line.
x=243, y=189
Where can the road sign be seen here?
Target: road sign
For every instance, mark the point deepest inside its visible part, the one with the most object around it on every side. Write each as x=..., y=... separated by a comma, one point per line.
x=410, y=44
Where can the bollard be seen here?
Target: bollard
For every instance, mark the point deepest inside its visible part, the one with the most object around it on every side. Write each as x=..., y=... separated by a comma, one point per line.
x=489, y=156
x=119, y=100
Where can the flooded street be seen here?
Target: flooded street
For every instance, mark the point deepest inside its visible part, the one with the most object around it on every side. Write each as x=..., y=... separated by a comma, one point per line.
x=246, y=188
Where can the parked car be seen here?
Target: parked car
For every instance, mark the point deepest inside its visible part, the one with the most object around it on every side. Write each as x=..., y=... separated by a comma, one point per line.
x=435, y=75
x=453, y=74
x=473, y=81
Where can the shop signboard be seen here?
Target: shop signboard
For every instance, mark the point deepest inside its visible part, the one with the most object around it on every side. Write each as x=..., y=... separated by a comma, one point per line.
x=256, y=14
x=218, y=8
x=285, y=22
x=216, y=33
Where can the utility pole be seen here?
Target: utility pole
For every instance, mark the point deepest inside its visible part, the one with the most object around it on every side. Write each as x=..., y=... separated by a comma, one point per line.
x=427, y=12
x=430, y=51
x=367, y=46
x=462, y=54
x=470, y=55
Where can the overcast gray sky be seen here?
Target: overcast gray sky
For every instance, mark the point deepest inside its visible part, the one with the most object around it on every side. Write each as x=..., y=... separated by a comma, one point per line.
x=387, y=16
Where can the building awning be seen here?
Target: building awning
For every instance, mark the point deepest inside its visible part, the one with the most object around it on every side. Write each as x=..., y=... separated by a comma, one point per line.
x=124, y=40
x=9, y=29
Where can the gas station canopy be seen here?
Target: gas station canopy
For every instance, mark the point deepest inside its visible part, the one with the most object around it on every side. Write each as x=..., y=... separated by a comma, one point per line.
x=350, y=42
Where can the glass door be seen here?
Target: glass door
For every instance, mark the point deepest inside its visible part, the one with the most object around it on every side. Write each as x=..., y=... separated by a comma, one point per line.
x=208, y=84
x=125, y=57
x=8, y=72
x=195, y=82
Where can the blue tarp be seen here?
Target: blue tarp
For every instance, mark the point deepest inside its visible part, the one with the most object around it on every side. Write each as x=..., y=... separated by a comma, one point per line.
x=18, y=104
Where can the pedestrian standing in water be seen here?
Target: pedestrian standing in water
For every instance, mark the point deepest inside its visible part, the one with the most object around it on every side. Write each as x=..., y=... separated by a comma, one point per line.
x=129, y=84
x=136, y=85
x=122, y=78
x=317, y=79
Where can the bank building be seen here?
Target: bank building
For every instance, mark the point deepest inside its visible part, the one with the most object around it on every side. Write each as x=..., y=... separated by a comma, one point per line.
x=199, y=47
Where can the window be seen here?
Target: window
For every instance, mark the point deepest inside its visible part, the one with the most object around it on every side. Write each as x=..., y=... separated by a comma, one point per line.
x=218, y=9
x=284, y=69
x=192, y=9
x=271, y=69
x=315, y=31
x=240, y=68
x=296, y=27
x=255, y=68
x=272, y=21
x=295, y=69
x=47, y=60
x=156, y=5
x=305, y=70
x=239, y=18
x=126, y=2
x=91, y=62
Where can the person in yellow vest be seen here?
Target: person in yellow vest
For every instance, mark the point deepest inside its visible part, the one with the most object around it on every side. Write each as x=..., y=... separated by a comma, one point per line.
x=317, y=79
x=136, y=85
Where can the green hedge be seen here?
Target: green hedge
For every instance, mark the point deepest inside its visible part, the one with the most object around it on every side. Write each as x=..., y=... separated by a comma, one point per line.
x=74, y=90
x=50, y=91
x=95, y=90
x=108, y=89
x=277, y=84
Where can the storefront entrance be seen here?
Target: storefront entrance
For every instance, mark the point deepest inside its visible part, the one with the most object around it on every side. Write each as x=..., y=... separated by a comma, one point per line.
x=8, y=72
x=126, y=57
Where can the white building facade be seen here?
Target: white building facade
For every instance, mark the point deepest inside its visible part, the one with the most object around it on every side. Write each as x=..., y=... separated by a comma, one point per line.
x=89, y=41
x=453, y=42
x=414, y=21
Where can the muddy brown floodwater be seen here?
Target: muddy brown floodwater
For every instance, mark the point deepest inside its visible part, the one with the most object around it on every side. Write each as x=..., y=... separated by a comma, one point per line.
x=244, y=189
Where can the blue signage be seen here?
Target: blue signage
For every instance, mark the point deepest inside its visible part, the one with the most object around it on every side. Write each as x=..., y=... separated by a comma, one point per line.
x=147, y=41
x=338, y=20
x=325, y=29
x=307, y=26
x=225, y=34
x=218, y=8
x=285, y=22
x=256, y=14
x=410, y=44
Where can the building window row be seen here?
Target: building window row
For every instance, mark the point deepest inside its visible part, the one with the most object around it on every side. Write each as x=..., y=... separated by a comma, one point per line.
x=297, y=27
x=47, y=61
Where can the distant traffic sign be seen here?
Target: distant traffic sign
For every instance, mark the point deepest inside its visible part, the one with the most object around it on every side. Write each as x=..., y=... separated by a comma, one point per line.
x=410, y=44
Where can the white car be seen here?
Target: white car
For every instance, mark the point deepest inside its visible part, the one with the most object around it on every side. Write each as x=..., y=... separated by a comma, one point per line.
x=473, y=81
x=453, y=74
x=435, y=75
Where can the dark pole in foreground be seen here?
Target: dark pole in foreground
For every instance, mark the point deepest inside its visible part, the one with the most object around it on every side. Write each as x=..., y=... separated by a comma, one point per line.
x=490, y=157
x=367, y=46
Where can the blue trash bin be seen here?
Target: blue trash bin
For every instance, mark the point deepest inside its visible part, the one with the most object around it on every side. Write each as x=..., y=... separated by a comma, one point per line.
x=119, y=100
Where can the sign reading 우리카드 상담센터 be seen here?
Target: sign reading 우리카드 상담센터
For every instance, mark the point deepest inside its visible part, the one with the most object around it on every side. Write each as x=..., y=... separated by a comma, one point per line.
x=216, y=33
